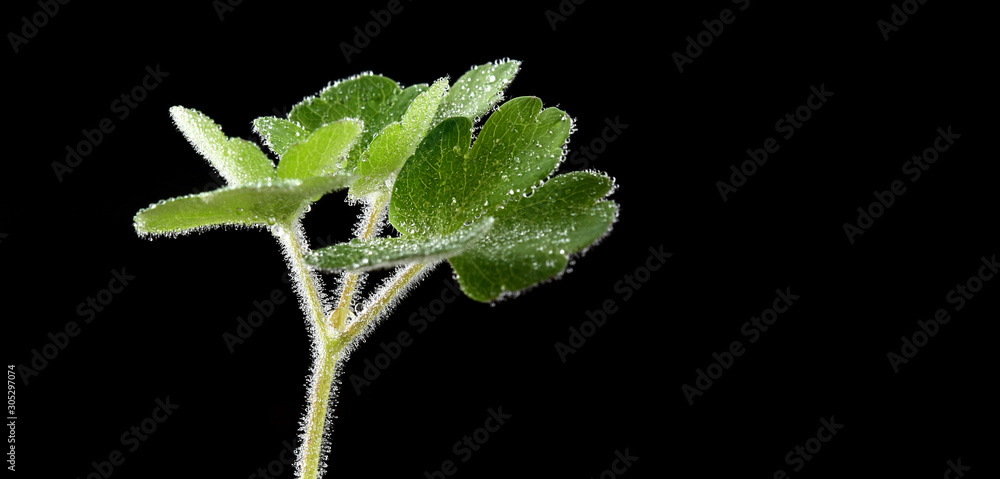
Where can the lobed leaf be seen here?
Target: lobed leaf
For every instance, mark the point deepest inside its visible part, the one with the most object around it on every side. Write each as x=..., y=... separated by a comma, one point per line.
x=320, y=153
x=237, y=160
x=364, y=97
x=257, y=204
x=397, y=142
x=446, y=184
x=478, y=90
x=532, y=237
x=386, y=252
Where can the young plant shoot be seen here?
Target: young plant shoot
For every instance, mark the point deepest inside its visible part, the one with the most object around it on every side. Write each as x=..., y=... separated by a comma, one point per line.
x=490, y=207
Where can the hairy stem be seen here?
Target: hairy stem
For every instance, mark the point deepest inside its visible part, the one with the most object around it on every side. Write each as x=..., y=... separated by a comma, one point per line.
x=310, y=455
x=383, y=299
x=366, y=230
x=329, y=352
x=330, y=339
x=307, y=284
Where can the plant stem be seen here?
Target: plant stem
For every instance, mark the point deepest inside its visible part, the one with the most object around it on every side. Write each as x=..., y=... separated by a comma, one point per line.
x=325, y=357
x=332, y=336
x=307, y=284
x=325, y=364
x=383, y=299
x=321, y=384
x=366, y=230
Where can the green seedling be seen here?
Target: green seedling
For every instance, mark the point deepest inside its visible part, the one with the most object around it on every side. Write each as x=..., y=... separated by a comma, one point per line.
x=491, y=208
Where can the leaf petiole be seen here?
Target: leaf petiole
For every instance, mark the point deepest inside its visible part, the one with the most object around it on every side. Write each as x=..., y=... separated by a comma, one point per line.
x=368, y=229
x=307, y=284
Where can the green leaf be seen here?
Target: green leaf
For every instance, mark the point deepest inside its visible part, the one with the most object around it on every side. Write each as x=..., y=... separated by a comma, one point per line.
x=397, y=142
x=398, y=109
x=321, y=152
x=279, y=134
x=532, y=236
x=258, y=204
x=445, y=184
x=369, y=98
x=478, y=90
x=385, y=252
x=238, y=161
x=363, y=97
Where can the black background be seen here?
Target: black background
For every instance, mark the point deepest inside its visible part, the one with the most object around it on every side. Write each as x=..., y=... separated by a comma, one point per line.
x=827, y=356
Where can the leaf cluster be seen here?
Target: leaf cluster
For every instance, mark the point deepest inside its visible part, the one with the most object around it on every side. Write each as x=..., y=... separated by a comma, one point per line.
x=491, y=207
